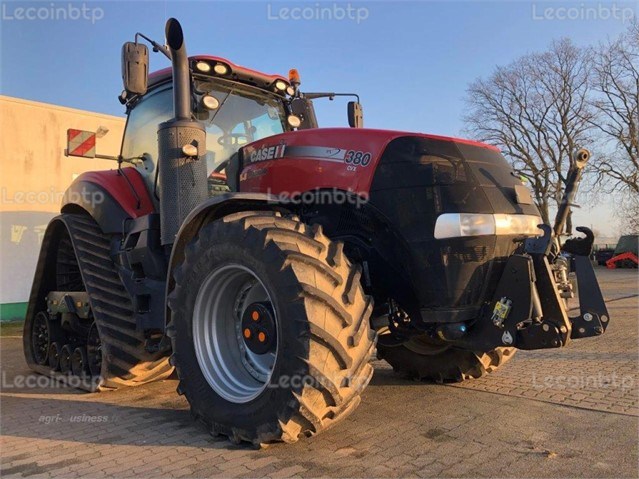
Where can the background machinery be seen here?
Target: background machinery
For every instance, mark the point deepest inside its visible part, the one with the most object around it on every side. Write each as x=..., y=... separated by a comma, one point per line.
x=625, y=254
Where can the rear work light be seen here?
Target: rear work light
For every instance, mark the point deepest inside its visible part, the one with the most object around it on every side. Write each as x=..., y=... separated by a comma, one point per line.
x=456, y=225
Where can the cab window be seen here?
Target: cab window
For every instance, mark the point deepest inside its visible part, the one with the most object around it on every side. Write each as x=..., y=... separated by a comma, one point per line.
x=244, y=115
x=142, y=126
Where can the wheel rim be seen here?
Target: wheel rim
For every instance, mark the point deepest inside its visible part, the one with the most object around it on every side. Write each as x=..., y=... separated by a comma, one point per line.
x=225, y=355
x=40, y=338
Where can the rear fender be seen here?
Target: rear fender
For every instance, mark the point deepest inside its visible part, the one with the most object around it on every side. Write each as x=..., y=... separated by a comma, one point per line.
x=110, y=197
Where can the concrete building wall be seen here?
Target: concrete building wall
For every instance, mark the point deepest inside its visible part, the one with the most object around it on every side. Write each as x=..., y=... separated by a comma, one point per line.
x=34, y=173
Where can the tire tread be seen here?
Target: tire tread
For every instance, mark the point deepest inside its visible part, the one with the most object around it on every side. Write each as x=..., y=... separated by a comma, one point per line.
x=316, y=262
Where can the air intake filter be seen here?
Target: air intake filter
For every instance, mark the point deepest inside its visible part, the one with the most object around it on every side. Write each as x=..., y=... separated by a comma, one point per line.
x=183, y=183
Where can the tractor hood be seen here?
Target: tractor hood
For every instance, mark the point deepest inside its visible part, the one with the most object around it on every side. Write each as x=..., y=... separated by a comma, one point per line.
x=341, y=158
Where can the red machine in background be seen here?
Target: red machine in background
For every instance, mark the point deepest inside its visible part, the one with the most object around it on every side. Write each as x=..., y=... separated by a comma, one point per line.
x=626, y=253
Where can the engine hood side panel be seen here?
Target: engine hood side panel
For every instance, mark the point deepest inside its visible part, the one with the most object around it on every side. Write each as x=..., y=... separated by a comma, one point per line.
x=304, y=160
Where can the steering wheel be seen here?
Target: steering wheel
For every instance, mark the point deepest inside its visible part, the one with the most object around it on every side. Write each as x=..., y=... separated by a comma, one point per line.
x=232, y=139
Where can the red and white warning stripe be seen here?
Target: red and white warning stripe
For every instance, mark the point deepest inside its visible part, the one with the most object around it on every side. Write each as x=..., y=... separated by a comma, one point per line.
x=81, y=143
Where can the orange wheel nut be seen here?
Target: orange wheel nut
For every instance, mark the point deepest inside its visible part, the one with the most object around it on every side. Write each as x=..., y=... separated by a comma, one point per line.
x=247, y=333
x=255, y=315
x=261, y=336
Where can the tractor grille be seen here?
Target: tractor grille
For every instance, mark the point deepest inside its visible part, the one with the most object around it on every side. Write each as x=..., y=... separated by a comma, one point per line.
x=469, y=254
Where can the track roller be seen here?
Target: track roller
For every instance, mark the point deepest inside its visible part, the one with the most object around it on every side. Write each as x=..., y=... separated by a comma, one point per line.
x=54, y=356
x=65, y=359
x=79, y=362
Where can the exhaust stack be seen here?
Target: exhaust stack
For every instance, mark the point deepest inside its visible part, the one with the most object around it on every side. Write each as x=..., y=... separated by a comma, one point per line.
x=182, y=175
x=180, y=64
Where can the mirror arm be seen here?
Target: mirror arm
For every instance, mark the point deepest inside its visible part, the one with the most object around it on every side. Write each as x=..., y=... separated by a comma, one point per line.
x=156, y=46
x=108, y=157
x=119, y=158
x=329, y=95
x=135, y=160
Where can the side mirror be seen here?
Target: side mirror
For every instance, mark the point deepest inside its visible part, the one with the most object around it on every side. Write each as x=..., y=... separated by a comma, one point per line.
x=135, y=67
x=355, y=115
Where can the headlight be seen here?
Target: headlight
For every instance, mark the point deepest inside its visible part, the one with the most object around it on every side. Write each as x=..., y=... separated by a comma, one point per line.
x=221, y=69
x=210, y=102
x=455, y=225
x=294, y=121
x=517, y=224
x=189, y=150
x=203, y=67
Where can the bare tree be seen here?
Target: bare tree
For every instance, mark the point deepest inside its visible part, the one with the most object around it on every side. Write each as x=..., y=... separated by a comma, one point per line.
x=627, y=212
x=616, y=102
x=537, y=111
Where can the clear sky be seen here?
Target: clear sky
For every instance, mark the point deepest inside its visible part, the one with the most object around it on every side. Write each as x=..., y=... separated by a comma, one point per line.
x=409, y=61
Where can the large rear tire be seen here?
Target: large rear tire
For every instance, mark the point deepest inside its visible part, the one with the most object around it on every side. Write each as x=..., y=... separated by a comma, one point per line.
x=419, y=358
x=314, y=363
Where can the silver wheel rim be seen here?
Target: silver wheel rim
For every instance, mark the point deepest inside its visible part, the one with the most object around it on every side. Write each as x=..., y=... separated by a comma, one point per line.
x=233, y=371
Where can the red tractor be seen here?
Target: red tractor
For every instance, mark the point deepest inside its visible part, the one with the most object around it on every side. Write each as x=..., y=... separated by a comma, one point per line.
x=266, y=259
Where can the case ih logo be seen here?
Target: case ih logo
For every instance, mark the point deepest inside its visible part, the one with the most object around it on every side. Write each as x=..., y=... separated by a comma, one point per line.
x=352, y=158
x=268, y=153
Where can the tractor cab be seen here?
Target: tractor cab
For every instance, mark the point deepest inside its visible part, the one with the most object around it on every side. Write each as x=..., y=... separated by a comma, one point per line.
x=235, y=105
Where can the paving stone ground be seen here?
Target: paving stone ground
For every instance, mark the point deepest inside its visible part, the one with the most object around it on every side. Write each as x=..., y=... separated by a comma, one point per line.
x=556, y=413
x=594, y=373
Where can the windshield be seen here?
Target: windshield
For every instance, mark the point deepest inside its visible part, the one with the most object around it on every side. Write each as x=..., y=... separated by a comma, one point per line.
x=244, y=115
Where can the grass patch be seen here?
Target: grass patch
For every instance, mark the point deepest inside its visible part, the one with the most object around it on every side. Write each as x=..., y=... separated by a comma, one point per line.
x=11, y=328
